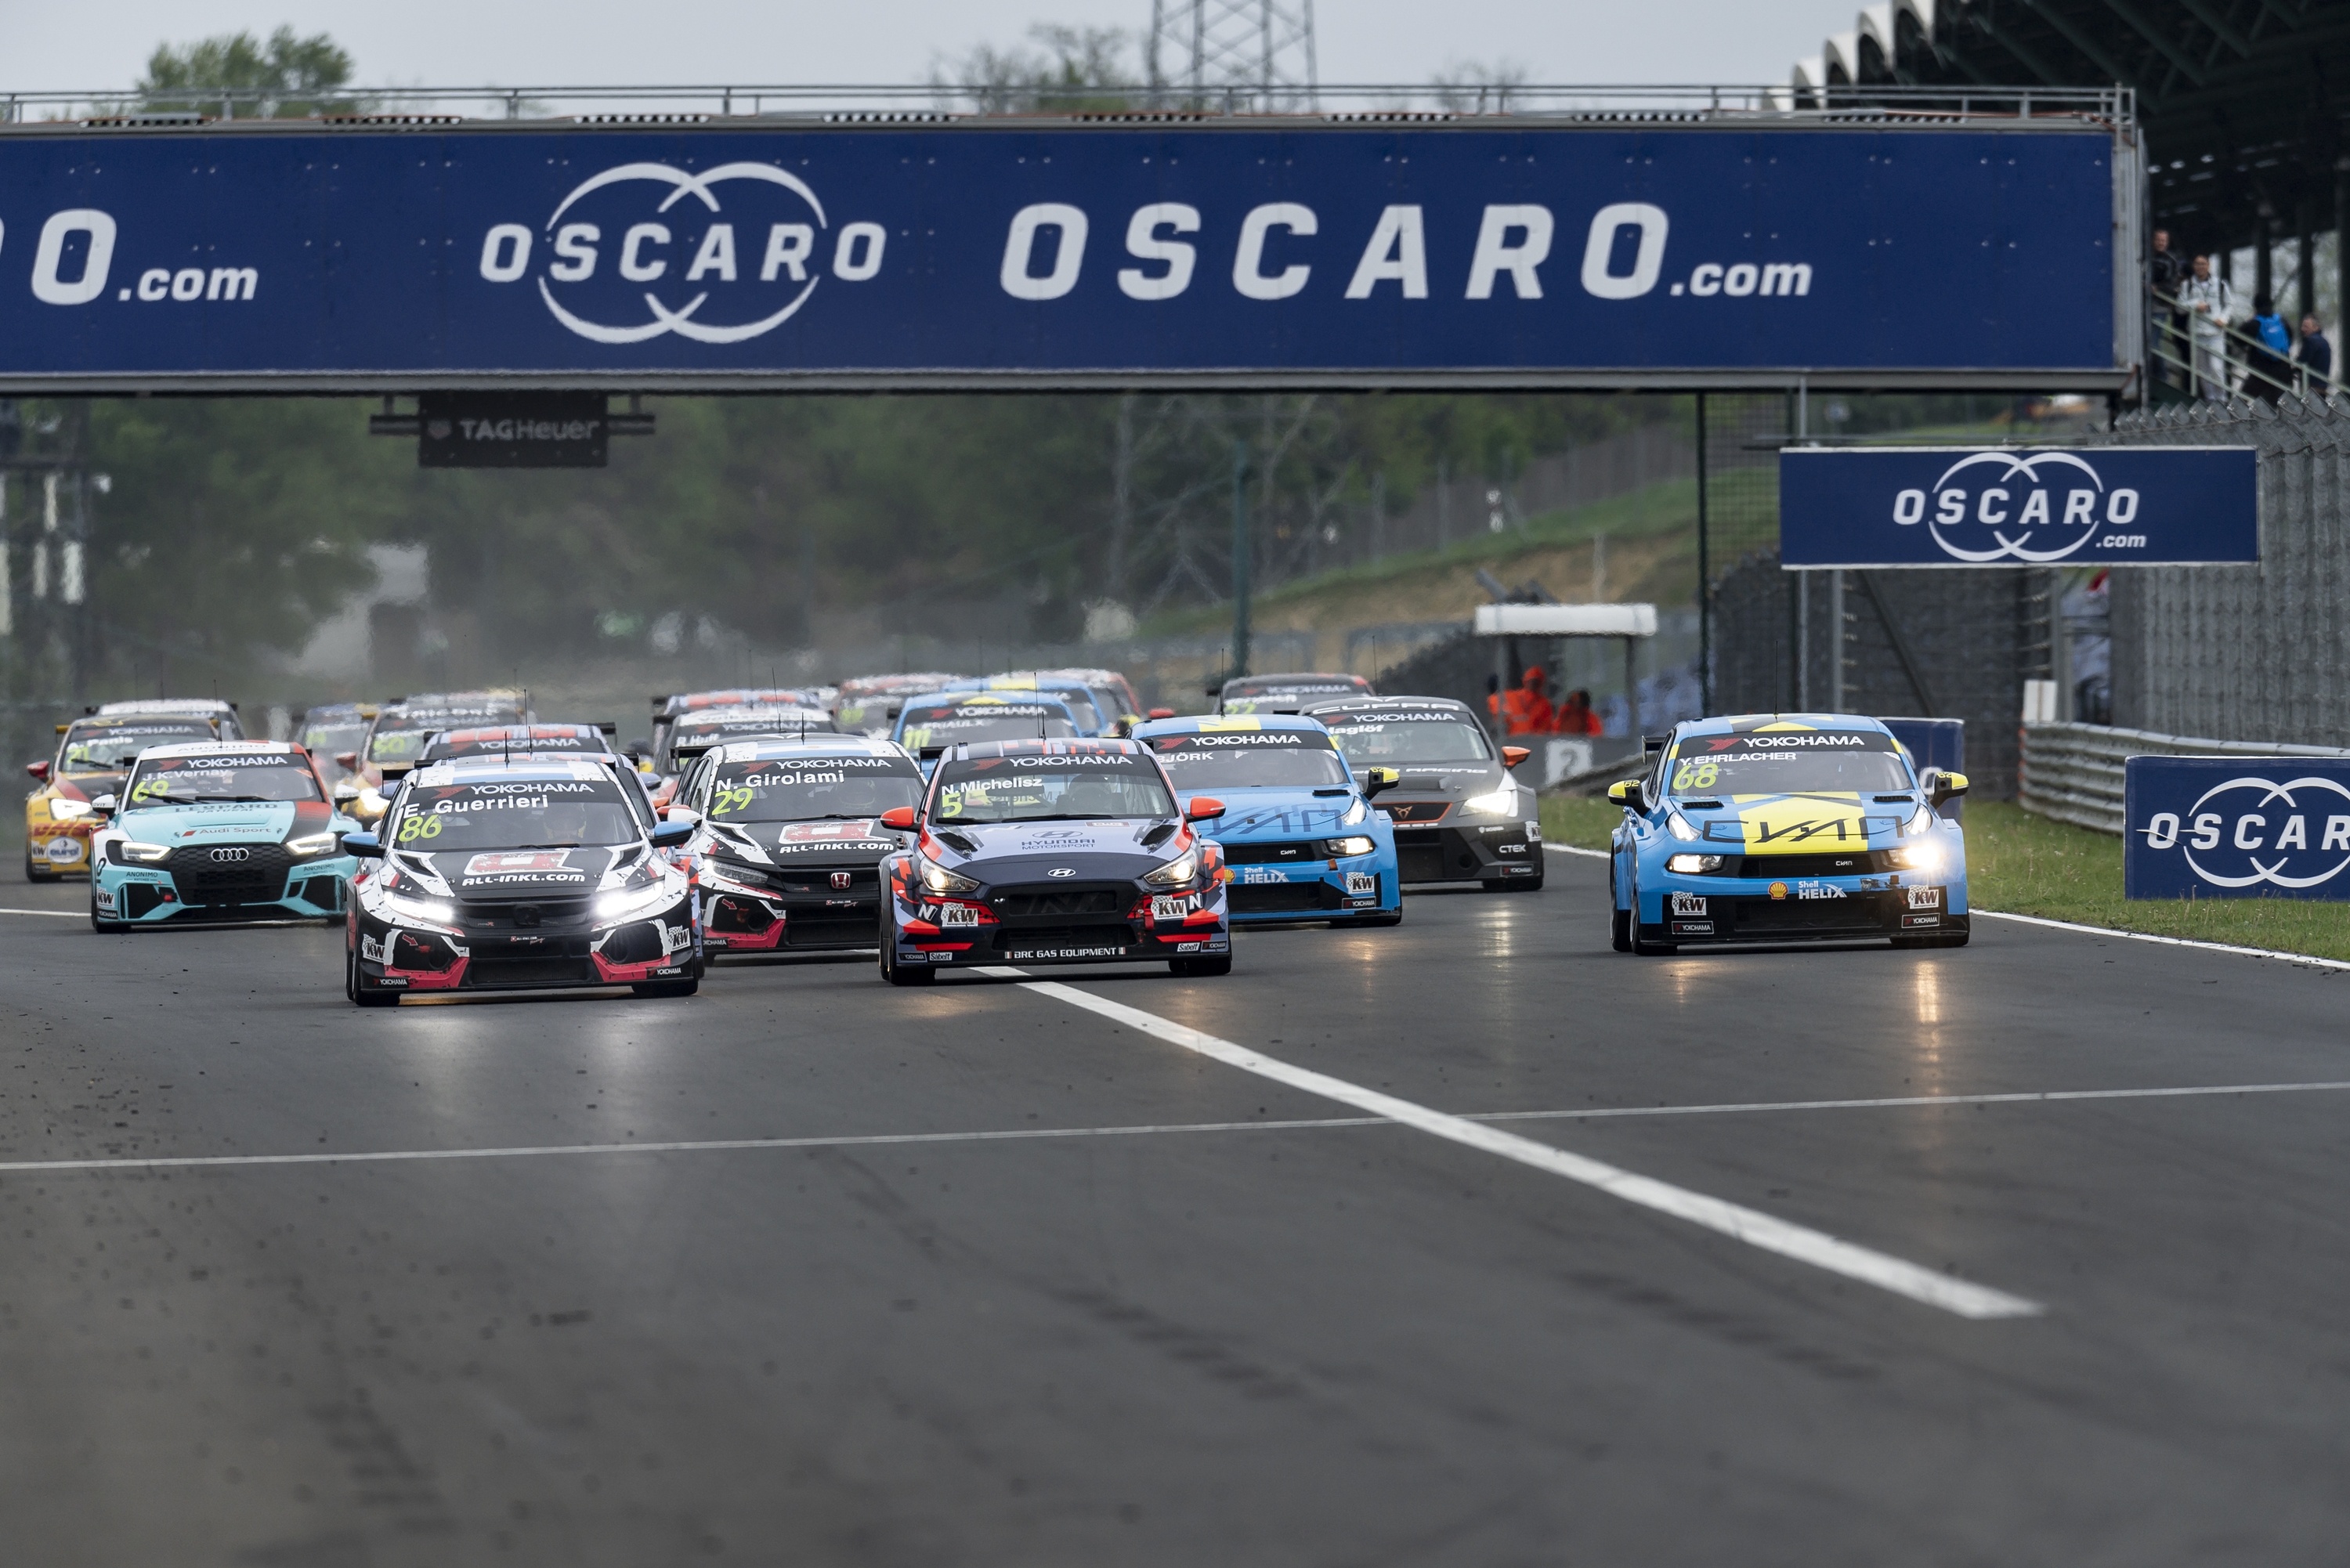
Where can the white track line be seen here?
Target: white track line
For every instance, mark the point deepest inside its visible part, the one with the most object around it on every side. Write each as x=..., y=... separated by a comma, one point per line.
x=1750, y=1226
x=2166, y=941
x=53, y=914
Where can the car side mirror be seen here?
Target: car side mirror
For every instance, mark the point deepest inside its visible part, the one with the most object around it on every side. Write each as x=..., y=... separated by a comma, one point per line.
x=1163, y=713
x=1946, y=785
x=686, y=814
x=1512, y=755
x=670, y=835
x=104, y=805
x=1203, y=808
x=347, y=759
x=1377, y=781
x=1623, y=791
x=38, y=770
x=365, y=846
x=899, y=817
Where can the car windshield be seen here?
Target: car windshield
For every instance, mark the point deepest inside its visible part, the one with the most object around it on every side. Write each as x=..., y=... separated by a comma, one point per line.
x=111, y=748
x=1081, y=787
x=1295, y=759
x=935, y=726
x=1822, y=761
x=326, y=742
x=399, y=737
x=1390, y=739
x=513, y=814
x=191, y=781
x=801, y=789
x=507, y=740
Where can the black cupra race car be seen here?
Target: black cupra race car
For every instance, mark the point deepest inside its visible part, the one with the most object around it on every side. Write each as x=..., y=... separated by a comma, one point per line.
x=1054, y=851
x=1460, y=819
x=540, y=873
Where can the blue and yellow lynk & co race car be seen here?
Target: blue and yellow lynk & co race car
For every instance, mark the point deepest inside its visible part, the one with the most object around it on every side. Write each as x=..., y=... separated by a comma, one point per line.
x=1298, y=831
x=1782, y=827
x=213, y=830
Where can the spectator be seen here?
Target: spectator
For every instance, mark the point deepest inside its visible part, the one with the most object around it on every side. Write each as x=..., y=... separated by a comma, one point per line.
x=1575, y=717
x=2266, y=371
x=2165, y=326
x=2314, y=355
x=1526, y=712
x=2209, y=302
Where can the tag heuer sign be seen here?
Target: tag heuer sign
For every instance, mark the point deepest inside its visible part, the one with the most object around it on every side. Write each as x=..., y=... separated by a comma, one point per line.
x=510, y=430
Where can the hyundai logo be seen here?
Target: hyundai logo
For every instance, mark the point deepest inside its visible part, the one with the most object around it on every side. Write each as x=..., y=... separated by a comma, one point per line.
x=840, y=878
x=1062, y=872
x=238, y=851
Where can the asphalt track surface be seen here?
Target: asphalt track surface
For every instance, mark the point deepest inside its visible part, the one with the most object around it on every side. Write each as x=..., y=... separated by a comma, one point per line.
x=1226, y=1341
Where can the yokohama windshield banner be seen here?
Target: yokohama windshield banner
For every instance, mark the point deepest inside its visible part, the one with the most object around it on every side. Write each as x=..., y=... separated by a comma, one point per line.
x=1961, y=507
x=446, y=258
x=2236, y=827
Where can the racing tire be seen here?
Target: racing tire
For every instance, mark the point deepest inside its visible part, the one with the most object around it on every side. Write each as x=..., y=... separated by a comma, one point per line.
x=108, y=928
x=34, y=873
x=1619, y=930
x=658, y=988
x=359, y=997
x=1203, y=968
x=897, y=973
x=1643, y=945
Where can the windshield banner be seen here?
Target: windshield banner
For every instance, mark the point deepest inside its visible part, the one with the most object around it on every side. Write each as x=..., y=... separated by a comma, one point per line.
x=965, y=255
x=2236, y=827
x=1952, y=506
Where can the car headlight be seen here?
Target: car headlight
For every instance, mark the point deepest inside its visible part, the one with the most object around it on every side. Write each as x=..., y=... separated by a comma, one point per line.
x=1920, y=821
x=311, y=844
x=1502, y=799
x=1180, y=869
x=1693, y=865
x=937, y=878
x=619, y=905
x=1916, y=858
x=428, y=911
x=1680, y=827
x=1359, y=844
x=371, y=802
x=63, y=810
x=131, y=850
x=1356, y=813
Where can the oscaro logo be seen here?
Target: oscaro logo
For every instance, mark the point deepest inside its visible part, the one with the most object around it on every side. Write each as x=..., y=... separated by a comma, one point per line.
x=743, y=271
x=81, y=241
x=2034, y=506
x=2253, y=818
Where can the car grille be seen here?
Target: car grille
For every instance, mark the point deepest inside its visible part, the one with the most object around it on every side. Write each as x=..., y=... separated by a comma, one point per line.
x=860, y=930
x=1272, y=854
x=1281, y=898
x=1417, y=810
x=1095, y=936
x=1028, y=904
x=1851, y=863
x=864, y=881
x=521, y=914
x=1757, y=916
x=258, y=878
x=484, y=972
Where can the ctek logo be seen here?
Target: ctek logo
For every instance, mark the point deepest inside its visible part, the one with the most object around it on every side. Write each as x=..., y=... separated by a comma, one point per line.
x=2259, y=831
x=720, y=256
x=2033, y=507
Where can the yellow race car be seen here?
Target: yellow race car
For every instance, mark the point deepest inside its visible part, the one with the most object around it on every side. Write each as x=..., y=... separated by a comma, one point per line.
x=93, y=754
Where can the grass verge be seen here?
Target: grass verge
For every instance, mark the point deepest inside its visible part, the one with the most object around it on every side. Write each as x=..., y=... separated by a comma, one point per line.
x=2027, y=865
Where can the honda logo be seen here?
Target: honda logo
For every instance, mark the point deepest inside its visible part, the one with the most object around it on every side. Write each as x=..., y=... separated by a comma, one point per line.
x=840, y=878
x=1062, y=872
x=238, y=851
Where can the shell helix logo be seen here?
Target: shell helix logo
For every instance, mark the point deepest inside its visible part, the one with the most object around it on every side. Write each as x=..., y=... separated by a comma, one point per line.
x=2029, y=507
x=644, y=250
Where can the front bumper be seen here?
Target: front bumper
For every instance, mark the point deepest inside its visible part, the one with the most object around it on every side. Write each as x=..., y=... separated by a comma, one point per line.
x=1108, y=922
x=152, y=895
x=61, y=849
x=495, y=951
x=1363, y=886
x=1470, y=850
x=1686, y=910
x=787, y=909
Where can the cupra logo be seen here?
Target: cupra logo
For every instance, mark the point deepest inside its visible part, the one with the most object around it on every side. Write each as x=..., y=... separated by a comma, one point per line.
x=2025, y=516
x=747, y=271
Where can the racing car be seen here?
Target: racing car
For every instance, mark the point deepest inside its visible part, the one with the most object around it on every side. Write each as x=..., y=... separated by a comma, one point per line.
x=92, y=756
x=397, y=734
x=1094, y=712
x=210, y=830
x=868, y=704
x=668, y=711
x=1285, y=694
x=1298, y=832
x=927, y=725
x=493, y=875
x=1461, y=819
x=1778, y=827
x=788, y=848
x=1053, y=851
x=326, y=732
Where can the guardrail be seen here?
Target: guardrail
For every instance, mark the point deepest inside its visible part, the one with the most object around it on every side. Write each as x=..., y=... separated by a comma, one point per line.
x=2072, y=773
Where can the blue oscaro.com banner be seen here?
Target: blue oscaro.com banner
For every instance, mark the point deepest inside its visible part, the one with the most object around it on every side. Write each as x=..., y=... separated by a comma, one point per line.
x=2237, y=827
x=755, y=255
x=1949, y=506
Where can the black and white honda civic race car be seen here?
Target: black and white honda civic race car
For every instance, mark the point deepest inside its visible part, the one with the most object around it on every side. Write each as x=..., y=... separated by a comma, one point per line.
x=1053, y=851
x=538, y=873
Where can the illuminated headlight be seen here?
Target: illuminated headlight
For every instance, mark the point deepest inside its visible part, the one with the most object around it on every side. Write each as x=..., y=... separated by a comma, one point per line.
x=371, y=801
x=1920, y=821
x=427, y=911
x=937, y=878
x=1502, y=799
x=132, y=849
x=1916, y=858
x=62, y=810
x=615, y=907
x=1680, y=827
x=1692, y=864
x=1176, y=872
x=314, y=844
x=1356, y=813
x=1359, y=844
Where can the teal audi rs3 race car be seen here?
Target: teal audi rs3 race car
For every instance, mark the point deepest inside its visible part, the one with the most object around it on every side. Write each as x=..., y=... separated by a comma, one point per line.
x=1298, y=831
x=1783, y=827
x=219, y=830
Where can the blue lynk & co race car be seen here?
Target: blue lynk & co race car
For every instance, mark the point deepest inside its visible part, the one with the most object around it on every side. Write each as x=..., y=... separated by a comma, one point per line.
x=1778, y=827
x=1298, y=831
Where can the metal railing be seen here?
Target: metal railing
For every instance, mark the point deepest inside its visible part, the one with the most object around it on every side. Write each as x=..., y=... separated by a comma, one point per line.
x=2072, y=773
x=2241, y=353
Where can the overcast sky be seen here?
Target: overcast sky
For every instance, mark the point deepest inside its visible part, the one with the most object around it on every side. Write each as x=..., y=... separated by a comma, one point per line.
x=583, y=42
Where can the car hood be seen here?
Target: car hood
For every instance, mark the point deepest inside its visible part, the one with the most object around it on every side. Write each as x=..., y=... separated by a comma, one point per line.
x=801, y=843
x=1266, y=813
x=264, y=821
x=1451, y=781
x=524, y=873
x=1802, y=824
x=87, y=786
x=1025, y=852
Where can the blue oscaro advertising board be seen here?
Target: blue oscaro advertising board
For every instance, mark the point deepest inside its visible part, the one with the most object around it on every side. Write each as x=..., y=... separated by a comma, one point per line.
x=481, y=255
x=2236, y=827
x=1949, y=507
